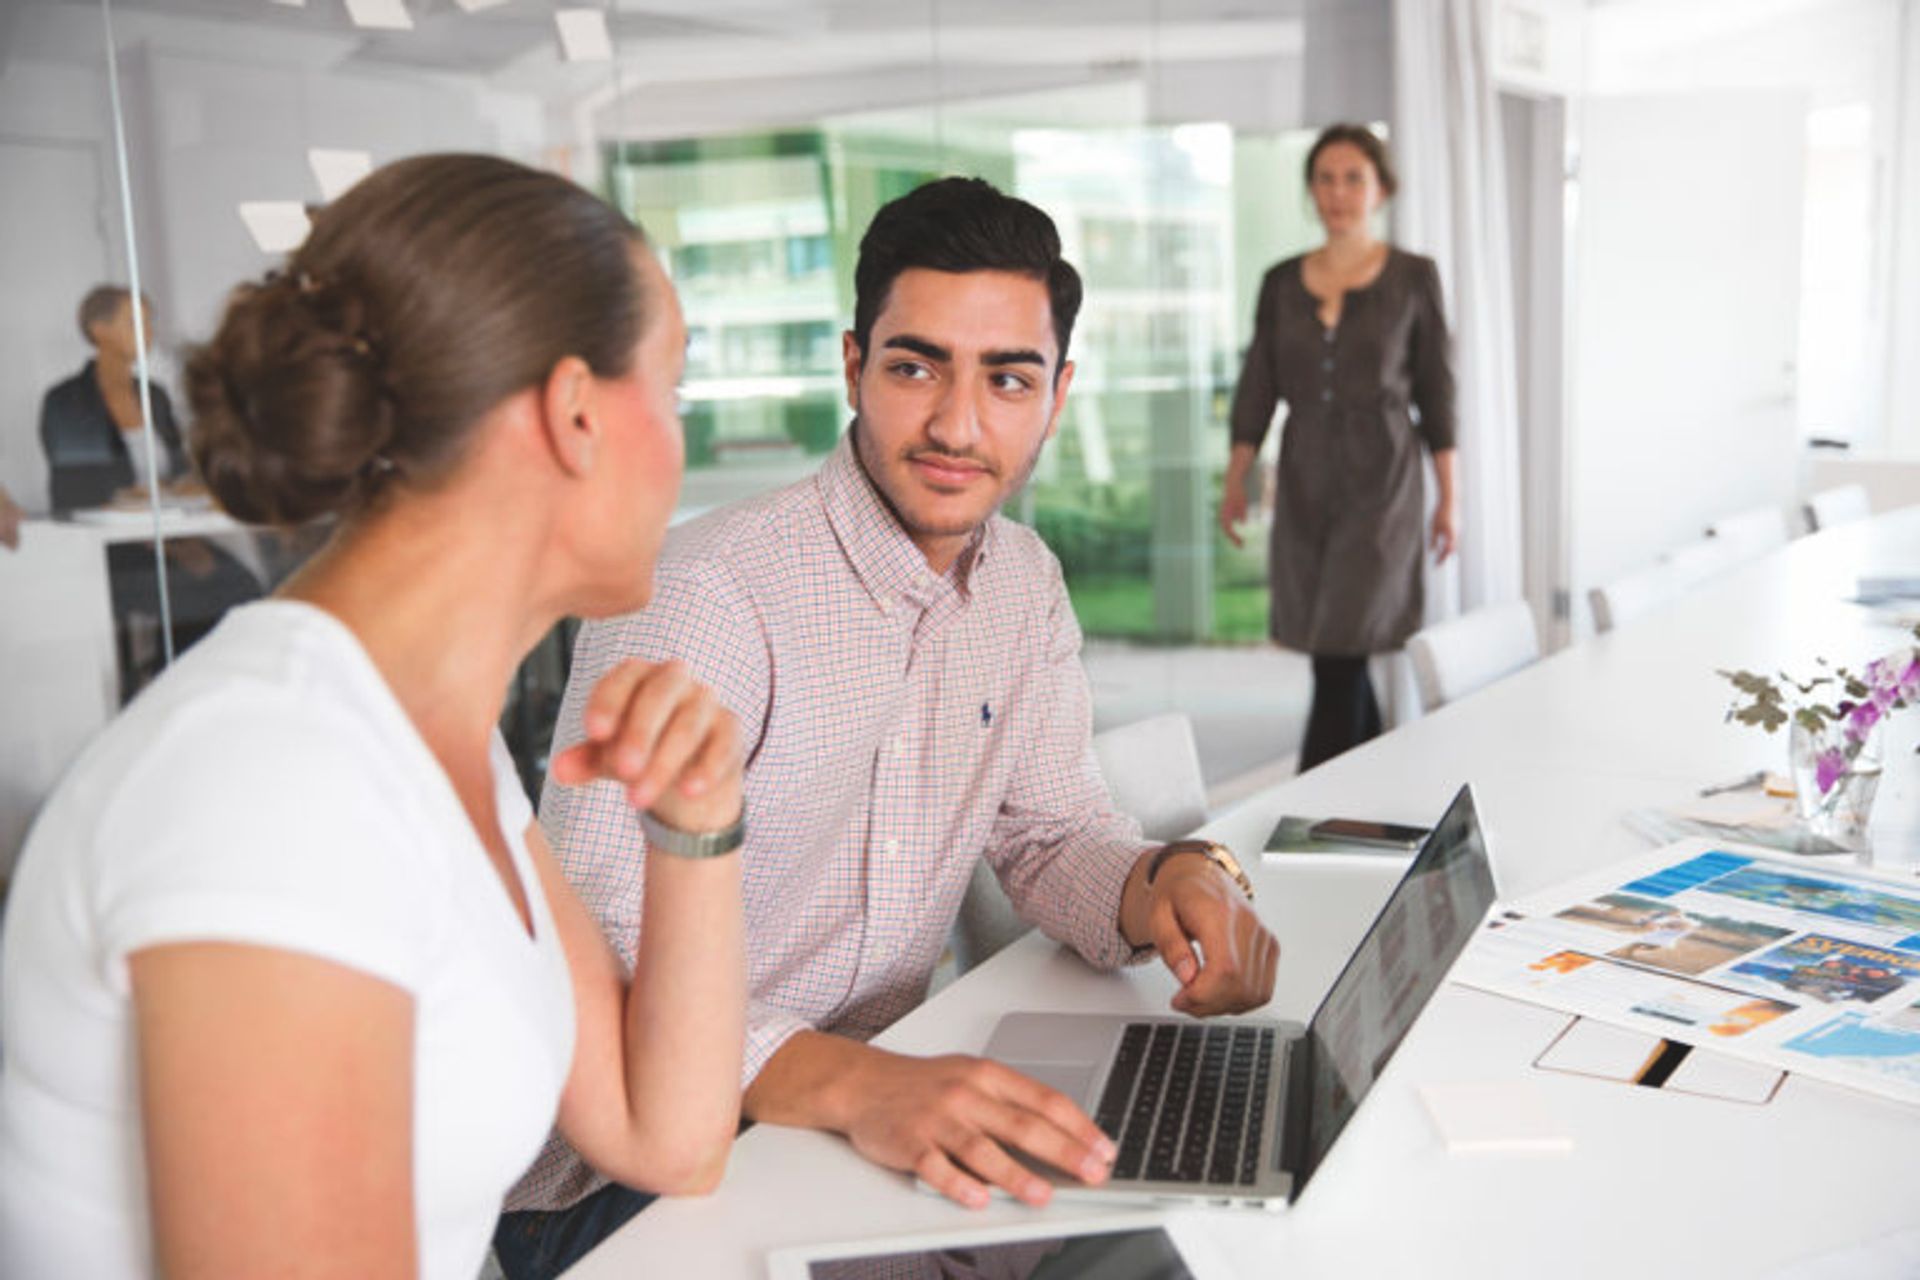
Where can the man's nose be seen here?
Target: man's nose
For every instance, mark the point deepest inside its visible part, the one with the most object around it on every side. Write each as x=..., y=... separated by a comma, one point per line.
x=955, y=421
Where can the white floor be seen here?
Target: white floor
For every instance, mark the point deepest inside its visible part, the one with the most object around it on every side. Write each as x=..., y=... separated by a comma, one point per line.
x=1248, y=705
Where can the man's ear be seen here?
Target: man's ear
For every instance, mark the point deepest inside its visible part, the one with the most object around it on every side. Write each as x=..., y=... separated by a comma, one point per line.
x=1060, y=385
x=569, y=417
x=852, y=361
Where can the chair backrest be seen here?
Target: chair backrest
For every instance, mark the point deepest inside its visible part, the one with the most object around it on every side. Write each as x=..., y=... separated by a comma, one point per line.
x=1698, y=561
x=1152, y=771
x=1842, y=504
x=1631, y=595
x=1453, y=658
x=1750, y=534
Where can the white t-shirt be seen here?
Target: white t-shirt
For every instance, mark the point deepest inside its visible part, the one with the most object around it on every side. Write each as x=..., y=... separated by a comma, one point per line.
x=269, y=790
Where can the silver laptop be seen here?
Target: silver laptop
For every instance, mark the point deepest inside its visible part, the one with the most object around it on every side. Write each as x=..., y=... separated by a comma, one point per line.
x=1242, y=1111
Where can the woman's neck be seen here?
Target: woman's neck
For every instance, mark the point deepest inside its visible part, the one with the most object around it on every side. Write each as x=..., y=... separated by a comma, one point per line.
x=113, y=373
x=444, y=611
x=1350, y=248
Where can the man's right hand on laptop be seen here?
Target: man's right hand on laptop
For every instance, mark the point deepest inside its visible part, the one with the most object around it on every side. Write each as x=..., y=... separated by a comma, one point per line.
x=954, y=1122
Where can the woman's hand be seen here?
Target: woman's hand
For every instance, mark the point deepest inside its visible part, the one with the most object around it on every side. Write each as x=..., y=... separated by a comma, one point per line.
x=1233, y=508
x=1233, y=492
x=1441, y=537
x=654, y=728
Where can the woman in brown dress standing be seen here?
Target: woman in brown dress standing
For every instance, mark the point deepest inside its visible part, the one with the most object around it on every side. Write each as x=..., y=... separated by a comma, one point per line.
x=1353, y=337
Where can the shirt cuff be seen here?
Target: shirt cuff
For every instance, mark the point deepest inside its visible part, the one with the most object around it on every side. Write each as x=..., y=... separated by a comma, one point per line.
x=768, y=1028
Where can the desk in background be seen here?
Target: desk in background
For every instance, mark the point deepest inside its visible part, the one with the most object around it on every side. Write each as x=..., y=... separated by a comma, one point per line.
x=1656, y=1184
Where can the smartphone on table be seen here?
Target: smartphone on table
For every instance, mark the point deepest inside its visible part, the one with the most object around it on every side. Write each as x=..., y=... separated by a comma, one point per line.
x=1384, y=835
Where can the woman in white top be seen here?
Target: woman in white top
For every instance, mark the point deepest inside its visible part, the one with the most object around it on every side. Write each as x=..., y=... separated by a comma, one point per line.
x=292, y=983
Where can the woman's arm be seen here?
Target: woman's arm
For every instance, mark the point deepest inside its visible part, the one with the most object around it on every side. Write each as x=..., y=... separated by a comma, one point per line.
x=1443, y=536
x=653, y=1100
x=1233, y=490
x=1254, y=399
x=276, y=1096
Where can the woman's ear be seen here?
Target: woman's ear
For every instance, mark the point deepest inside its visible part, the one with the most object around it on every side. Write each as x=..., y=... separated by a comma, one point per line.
x=569, y=415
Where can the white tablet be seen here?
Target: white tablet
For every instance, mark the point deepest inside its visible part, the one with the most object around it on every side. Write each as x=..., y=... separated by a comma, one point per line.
x=1143, y=1246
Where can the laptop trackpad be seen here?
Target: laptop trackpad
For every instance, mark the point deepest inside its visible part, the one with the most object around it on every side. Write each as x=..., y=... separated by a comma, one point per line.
x=1063, y=1051
x=1073, y=1079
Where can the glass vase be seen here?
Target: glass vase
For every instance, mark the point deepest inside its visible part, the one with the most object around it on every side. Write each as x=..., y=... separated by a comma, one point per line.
x=1840, y=811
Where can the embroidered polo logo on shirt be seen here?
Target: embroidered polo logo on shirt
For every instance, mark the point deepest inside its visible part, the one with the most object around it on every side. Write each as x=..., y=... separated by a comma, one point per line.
x=986, y=716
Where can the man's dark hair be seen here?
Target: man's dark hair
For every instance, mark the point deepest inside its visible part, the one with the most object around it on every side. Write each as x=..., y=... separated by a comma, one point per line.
x=959, y=225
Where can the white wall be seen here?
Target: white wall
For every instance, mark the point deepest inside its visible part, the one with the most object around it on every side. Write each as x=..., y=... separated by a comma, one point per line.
x=54, y=143
x=1682, y=324
x=225, y=131
x=1903, y=258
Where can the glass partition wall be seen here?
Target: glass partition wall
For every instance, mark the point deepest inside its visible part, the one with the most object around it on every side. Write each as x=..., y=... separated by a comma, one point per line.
x=754, y=143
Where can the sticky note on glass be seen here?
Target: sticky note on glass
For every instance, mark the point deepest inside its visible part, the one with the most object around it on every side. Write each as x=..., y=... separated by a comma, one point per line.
x=1494, y=1115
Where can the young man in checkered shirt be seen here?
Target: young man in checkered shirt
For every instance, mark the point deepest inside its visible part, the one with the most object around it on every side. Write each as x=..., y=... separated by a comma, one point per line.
x=904, y=665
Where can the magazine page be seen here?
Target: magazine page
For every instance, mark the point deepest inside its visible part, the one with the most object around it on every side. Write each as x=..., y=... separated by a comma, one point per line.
x=1804, y=967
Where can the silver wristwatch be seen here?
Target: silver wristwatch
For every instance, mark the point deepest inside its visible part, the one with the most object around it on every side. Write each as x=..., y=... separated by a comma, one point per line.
x=689, y=844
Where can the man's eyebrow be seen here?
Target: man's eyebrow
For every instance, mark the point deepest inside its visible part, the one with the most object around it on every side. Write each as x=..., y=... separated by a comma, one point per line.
x=920, y=347
x=1019, y=355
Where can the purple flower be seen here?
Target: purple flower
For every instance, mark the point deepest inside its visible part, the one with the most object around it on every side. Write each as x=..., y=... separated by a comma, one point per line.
x=1829, y=768
x=1861, y=719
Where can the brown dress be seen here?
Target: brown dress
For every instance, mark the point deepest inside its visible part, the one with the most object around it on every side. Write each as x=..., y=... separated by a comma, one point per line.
x=1362, y=398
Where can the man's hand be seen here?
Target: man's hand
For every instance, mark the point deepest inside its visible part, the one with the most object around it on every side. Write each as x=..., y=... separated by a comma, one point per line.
x=654, y=728
x=955, y=1121
x=1191, y=905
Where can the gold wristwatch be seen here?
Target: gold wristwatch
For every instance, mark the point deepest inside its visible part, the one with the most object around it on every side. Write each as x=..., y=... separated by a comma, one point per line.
x=1213, y=851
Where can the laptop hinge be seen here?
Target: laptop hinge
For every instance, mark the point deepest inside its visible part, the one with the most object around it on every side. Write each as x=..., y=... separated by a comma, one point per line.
x=1290, y=1151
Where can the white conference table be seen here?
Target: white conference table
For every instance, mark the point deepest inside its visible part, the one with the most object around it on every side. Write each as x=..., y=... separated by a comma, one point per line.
x=1656, y=1183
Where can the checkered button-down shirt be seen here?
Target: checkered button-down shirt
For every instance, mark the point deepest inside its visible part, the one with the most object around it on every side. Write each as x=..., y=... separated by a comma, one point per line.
x=898, y=724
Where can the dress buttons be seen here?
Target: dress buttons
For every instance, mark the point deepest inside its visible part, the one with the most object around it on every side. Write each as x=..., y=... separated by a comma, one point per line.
x=1326, y=397
x=891, y=848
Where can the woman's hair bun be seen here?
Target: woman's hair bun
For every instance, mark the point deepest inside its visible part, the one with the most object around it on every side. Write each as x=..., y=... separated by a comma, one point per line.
x=290, y=411
x=435, y=288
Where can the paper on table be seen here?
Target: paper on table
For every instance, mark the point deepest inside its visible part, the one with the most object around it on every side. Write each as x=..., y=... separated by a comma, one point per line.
x=1590, y=1048
x=1493, y=1115
x=1715, y=1075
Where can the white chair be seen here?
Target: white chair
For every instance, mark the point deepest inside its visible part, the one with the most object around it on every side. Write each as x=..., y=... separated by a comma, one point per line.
x=1152, y=771
x=1452, y=659
x=1750, y=534
x=1698, y=561
x=1627, y=597
x=1842, y=504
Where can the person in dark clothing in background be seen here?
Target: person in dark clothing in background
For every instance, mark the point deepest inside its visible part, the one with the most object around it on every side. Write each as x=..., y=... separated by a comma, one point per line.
x=1353, y=337
x=92, y=428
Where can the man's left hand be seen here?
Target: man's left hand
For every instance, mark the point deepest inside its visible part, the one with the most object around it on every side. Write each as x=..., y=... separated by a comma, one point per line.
x=1208, y=935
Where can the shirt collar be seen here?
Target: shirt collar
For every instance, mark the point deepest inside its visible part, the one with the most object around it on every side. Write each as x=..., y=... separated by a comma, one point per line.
x=884, y=558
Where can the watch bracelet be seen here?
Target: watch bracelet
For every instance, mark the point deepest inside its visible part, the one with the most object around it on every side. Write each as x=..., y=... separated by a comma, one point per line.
x=694, y=845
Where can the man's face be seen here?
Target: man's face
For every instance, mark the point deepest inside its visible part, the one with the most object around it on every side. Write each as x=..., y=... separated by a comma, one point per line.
x=956, y=395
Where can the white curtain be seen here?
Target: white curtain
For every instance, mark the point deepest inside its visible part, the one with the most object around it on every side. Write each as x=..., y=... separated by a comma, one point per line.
x=1452, y=206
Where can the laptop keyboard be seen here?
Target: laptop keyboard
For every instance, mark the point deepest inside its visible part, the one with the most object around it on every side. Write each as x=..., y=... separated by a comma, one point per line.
x=1188, y=1103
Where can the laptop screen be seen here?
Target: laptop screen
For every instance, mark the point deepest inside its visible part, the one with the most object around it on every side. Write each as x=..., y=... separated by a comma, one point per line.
x=1392, y=974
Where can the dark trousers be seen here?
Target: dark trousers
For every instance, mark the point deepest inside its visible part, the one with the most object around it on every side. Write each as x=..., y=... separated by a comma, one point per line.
x=1344, y=712
x=198, y=597
x=535, y=1245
